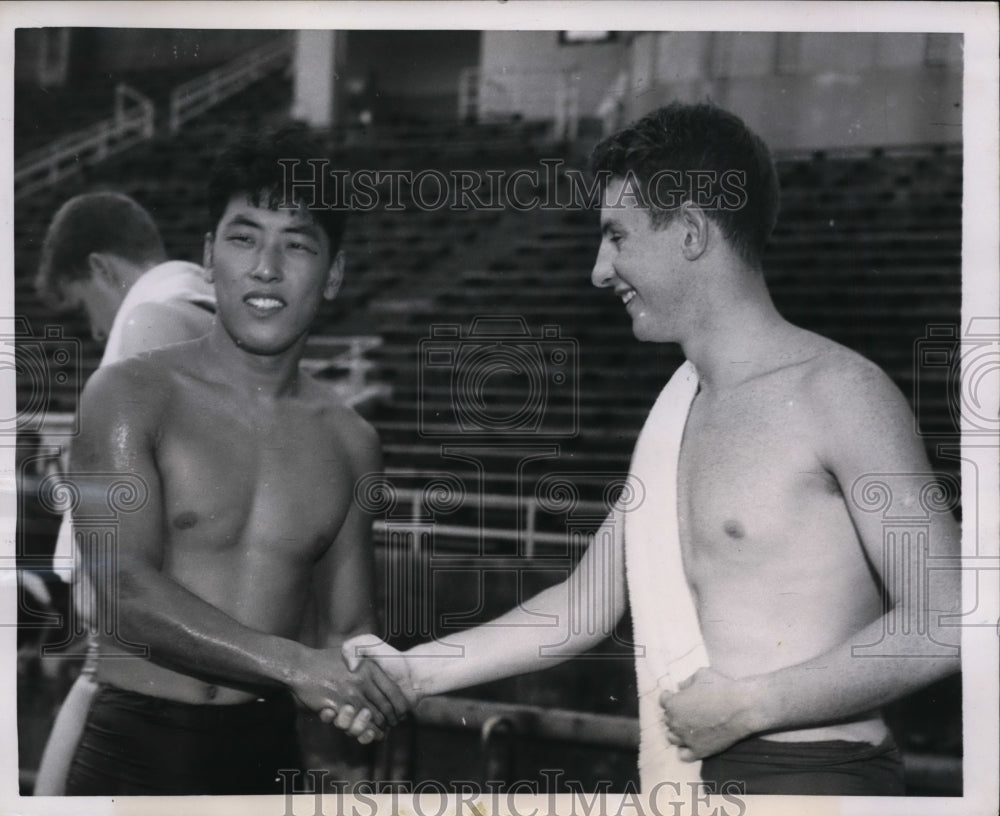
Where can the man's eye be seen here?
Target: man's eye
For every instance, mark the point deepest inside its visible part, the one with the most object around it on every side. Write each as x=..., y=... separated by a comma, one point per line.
x=242, y=240
x=299, y=247
x=616, y=238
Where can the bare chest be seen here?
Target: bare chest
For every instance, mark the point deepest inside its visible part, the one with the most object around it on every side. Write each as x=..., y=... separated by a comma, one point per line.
x=750, y=485
x=252, y=480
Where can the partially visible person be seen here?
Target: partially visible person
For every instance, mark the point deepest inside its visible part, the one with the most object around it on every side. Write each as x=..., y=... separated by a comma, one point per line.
x=103, y=253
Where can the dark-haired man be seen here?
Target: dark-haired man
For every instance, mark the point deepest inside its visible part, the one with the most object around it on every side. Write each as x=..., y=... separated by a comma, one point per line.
x=247, y=468
x=103, y=252
x=752, y=567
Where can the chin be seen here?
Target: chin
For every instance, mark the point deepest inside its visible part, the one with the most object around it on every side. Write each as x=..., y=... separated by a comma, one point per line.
x=649, y=334
x=643, y=332
x=264, y=348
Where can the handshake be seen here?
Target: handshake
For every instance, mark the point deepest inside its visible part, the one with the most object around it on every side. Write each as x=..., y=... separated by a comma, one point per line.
x=368, y=691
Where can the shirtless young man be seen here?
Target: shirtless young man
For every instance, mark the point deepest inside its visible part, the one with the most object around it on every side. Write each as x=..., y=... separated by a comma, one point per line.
x=248, y=467
x=786, y=572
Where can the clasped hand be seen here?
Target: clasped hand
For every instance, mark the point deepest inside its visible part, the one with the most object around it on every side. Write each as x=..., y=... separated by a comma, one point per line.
x=706, y=715
x=385, y=692
x=356, y=696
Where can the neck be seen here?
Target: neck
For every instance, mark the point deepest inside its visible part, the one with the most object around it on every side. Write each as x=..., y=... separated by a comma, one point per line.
x=257, y=375
x=735, y=334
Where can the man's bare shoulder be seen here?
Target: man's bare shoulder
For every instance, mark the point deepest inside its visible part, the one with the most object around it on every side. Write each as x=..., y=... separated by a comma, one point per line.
x=354, y=434
x=840, y=379
x=137, y=384
x=856, y=410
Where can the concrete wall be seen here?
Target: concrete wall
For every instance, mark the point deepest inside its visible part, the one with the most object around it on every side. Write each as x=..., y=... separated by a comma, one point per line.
x=809, y=90
x=409, y=74
x=521, y=71
x=799, y=90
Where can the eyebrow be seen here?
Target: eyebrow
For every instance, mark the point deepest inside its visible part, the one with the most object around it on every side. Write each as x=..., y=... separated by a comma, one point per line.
x=243, y=221
x=307, y=228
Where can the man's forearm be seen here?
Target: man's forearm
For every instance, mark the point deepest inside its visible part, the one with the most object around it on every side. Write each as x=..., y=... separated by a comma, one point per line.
x=185, y=632
x=847, y=680
x=710, y=711
x=528, y=638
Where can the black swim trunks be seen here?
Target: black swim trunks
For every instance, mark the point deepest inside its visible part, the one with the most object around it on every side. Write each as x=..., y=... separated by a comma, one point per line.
x=137, y=745
x=834, y=768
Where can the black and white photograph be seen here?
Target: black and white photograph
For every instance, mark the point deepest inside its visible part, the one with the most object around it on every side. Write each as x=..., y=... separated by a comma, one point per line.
x=501, y=408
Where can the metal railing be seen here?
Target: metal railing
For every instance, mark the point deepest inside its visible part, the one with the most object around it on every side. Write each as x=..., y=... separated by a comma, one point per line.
x=199, y=95
x=346, y=353
x=131, y=123
x=527, y=507
x=563, y=725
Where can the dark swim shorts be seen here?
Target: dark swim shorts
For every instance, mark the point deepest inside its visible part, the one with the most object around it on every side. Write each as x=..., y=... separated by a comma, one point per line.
x=834, y=768
x=133, y=744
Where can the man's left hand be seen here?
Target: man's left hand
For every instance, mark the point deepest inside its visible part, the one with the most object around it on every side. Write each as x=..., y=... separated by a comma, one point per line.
x=707, y=714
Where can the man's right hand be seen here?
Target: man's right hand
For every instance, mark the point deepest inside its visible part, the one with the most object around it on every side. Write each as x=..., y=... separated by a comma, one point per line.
x=368, y=651
x=364, y=650
x=325, y=685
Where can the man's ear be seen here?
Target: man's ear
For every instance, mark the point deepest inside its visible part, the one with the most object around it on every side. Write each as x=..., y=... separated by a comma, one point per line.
x=335, y=277
x=696, y=227
x=102, y=267
x=206, y=257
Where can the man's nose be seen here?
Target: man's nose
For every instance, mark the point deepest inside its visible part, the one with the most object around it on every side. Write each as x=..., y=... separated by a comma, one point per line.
x=268, y=267
x=603, y=272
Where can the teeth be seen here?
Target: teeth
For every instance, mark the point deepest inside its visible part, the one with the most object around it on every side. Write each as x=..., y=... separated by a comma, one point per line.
x=264, y=302
x=628, y=296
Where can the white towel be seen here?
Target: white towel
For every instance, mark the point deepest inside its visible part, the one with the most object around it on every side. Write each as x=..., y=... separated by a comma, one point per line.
x=669, y=646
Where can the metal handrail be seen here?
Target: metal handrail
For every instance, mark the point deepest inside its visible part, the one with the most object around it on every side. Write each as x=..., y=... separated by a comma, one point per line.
x=529, y=505
x=202, y=93
x=65, y=156
x=556, y=724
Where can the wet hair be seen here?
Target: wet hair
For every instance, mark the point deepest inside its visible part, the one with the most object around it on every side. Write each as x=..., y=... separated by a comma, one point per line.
x=263, y=167
x=94, y=222
x=711, y=158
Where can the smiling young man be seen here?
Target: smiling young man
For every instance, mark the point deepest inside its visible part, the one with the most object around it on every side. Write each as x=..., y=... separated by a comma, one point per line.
x=758, y=579
x=247, y=469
